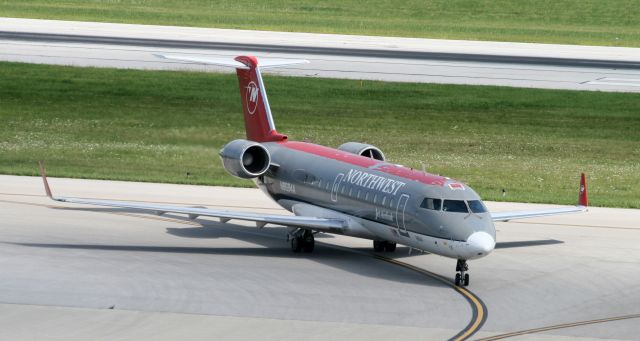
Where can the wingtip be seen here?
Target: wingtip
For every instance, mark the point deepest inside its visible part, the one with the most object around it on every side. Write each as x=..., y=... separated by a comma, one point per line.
x=47, y=189
x=583, y=198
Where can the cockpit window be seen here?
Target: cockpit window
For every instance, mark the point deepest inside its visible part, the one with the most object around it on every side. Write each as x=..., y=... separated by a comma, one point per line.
x=455, y=206
x=431, y=204
x=477, y=206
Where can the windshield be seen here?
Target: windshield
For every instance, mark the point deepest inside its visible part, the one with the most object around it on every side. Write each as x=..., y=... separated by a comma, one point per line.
x=431, y=204
x=455, y=206
x=477, y=206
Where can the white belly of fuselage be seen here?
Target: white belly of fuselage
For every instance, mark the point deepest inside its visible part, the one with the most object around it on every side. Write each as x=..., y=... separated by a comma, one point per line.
x=363, y=228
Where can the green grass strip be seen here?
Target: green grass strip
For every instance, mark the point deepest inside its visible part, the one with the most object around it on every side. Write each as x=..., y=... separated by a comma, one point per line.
x=160, y=125
x=586, y=22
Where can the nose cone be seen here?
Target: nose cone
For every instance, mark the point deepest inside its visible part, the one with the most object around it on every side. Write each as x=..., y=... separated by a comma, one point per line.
x=481, y=244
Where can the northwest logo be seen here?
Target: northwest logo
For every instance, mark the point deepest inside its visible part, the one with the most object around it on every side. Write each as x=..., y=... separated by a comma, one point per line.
x=252, y=97
x=374, y=182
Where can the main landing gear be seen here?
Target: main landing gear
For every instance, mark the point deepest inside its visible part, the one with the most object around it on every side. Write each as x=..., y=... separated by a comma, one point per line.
x=303, y=242
x=462, y=278
x=383, y=245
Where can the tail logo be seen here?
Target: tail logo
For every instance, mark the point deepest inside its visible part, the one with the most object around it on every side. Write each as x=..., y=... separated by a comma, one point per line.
x=252, y=97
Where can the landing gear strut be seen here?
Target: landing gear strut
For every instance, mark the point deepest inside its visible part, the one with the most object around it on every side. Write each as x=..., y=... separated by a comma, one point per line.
x=462, y=278
x=303, y=242
x=383, y=245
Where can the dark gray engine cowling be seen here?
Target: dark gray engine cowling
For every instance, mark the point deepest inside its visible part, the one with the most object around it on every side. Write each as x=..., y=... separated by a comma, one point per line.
x=363, y=149
x=245, y=159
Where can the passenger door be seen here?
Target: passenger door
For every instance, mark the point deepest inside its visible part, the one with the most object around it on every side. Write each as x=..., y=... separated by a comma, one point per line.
x=400, y=220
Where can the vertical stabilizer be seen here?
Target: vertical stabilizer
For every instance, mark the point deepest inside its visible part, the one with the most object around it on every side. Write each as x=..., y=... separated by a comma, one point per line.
x=255, y=105
x=258, y=120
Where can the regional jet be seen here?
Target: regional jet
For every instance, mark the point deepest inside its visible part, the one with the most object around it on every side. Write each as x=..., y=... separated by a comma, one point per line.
x=352, y=190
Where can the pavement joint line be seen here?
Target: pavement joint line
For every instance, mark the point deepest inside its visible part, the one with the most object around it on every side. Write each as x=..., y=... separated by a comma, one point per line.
x=312, y=57
x=277, y=209
x=156, y=202
x=558, y=326
x=575, y=225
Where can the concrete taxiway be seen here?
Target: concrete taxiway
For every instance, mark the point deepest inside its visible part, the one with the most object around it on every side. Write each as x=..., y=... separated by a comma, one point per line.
x=78, y=272
x=334, y=56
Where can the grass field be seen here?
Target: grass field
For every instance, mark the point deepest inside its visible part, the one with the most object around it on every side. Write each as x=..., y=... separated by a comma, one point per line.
x=588, y=22
x=157, y=126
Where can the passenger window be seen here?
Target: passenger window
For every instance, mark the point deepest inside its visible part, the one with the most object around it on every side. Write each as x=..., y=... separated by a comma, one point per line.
x=384, y=199
x=455, y=206
x=431, y=204
x=477, y=206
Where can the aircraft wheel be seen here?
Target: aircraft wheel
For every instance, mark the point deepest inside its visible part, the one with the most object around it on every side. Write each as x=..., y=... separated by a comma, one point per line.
x=309, y=242
x=378, y=246
x=466, y=280
x=389, y=246
x=296, y=244
x=457, y=281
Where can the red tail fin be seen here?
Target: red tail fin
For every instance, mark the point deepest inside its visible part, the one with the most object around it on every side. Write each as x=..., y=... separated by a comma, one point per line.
x=257, y=114
x=583, y=199
x=255, y=105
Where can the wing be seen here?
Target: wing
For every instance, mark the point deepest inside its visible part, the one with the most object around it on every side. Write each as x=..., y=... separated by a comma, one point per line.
x=320, y=224
x=583, y=202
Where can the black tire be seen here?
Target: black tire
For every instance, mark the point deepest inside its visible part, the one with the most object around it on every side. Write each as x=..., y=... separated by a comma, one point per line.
x=309, y=243
x=296, y=244
x=378, y=246
x=389, y=246
x=457, y=281
x=466, y=280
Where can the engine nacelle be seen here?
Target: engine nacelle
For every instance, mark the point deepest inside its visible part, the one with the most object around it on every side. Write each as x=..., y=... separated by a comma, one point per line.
x=245, y=159
x=363, y=149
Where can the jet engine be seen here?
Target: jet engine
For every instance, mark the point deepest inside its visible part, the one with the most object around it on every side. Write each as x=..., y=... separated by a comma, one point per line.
x=245, y=159
x=363, y=149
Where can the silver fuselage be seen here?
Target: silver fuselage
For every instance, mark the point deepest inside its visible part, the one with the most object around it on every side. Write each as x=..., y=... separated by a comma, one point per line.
x=380, y=205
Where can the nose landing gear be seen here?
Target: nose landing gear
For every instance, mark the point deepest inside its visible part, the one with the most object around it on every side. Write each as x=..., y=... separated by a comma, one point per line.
x=462, y=278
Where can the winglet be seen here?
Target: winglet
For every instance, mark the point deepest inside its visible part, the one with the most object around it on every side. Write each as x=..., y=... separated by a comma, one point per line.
x=583, y=199
x=44, y=179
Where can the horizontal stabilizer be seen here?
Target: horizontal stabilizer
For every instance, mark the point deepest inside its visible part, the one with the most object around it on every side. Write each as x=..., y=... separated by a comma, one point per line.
x=264, y=63
x=201, y=60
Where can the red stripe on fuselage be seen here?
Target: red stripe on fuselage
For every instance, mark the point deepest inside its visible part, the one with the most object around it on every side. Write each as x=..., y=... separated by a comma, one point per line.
x=365, y=162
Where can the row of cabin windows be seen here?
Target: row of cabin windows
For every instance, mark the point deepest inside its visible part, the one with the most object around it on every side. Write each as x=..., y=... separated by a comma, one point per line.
x=365, y=195
x=461, y=206
x=476, y=206
x=316, y=181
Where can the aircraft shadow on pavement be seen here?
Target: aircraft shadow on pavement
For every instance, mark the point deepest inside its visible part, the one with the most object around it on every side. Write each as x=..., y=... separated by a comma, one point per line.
x=272, y=243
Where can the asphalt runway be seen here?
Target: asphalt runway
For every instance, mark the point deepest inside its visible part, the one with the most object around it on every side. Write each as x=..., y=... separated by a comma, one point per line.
x=82, y=272
x=332, y=56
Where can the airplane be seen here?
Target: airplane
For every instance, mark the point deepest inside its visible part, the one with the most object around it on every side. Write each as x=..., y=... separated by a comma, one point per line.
x=352, y=190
